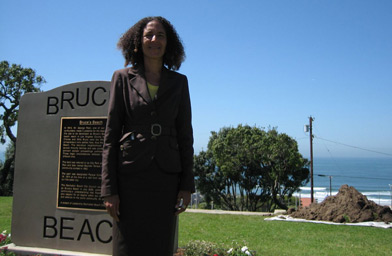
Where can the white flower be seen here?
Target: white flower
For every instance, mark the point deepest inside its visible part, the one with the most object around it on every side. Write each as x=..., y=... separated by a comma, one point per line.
x=229, y=251
x=245, y=249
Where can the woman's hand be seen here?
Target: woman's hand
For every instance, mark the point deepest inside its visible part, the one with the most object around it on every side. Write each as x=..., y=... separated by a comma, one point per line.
x=112, y=204
x=183, y=200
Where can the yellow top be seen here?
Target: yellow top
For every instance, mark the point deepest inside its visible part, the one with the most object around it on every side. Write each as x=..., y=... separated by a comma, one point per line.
x=152, y=89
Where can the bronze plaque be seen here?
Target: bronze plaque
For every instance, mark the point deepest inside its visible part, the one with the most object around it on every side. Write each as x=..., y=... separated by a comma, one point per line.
x=79, y=175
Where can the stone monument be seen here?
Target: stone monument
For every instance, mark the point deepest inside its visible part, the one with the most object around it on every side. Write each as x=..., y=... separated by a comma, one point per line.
x=57, y=202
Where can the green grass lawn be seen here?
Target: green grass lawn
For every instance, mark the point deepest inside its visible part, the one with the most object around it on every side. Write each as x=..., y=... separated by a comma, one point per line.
x=268, y=237
x=5, y=213
x=284, y=238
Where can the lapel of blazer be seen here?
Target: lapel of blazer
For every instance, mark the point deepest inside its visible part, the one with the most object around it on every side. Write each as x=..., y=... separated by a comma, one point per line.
x=165, y=82
x=138, y=82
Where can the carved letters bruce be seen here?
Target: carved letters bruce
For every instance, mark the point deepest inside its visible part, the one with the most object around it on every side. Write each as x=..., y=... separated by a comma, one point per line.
x=72, y=99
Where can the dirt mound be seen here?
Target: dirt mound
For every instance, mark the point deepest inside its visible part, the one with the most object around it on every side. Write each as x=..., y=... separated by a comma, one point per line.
x=347, y=206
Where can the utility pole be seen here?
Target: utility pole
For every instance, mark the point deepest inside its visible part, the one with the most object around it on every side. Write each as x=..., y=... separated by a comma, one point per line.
x=308, y=128
x=311, y=158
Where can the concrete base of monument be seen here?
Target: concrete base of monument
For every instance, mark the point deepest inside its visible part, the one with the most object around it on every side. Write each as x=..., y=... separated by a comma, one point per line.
x=30, y=251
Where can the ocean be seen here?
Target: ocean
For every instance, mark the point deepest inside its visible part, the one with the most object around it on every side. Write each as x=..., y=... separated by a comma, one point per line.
x=370, y=176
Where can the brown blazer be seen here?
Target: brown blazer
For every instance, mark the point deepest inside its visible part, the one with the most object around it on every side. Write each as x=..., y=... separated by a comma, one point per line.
x=140, y=129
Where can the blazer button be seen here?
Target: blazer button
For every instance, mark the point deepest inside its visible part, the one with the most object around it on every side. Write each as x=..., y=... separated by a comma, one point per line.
x=153, y=113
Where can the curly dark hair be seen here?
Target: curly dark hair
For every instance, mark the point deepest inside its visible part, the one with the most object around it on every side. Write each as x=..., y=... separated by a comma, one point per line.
x=130, y=44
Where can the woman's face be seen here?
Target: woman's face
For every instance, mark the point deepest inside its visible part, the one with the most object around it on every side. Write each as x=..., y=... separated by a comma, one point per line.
x=154, y=40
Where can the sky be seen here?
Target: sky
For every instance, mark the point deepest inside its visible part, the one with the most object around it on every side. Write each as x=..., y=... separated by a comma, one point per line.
x=270, y=64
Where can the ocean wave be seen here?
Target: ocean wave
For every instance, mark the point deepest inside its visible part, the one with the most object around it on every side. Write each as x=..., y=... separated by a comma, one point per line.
x=379, y=197
x=377, y=193
x=383, y=202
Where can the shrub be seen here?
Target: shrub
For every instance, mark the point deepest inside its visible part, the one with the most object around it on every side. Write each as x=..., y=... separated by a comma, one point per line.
x=203, y=248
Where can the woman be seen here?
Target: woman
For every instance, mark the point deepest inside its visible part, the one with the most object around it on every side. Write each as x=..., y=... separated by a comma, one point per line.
x=147, y=163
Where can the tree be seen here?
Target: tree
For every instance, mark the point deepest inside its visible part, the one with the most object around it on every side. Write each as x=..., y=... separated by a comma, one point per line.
x=287, y=169
x=7, y=171
x=208, y=179
x=246, y=167
x=15, y=81
x=233, y=150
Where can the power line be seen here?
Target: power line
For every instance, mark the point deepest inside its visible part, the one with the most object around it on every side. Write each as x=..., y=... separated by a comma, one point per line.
x=369, y=150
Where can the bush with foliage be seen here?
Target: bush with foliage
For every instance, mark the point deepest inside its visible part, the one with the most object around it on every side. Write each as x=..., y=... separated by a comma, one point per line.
x=248, y=169
x=5, y=239
x=204, y=248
